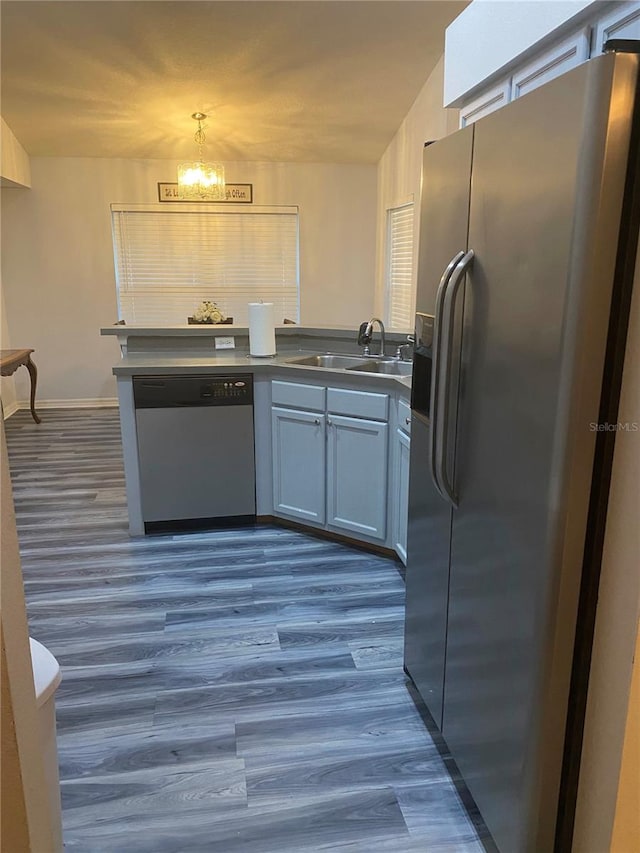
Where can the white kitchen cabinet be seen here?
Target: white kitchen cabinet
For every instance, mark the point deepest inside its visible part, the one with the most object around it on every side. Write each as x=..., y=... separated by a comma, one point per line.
x=299, y=464
x=528, y=49
x=621, y=21
x=331, y=464
x=357, y=466
x=488, y=40
x=401, y=450
x=551, y=63
x=487, y=102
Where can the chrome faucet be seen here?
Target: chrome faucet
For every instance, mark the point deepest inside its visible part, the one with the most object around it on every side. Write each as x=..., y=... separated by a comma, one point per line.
x=369, y=331
x=404, y=352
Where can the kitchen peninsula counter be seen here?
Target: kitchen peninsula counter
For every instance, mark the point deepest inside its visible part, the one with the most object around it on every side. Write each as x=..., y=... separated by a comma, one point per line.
x=154, y=351
x=166, y=364
x=180, y=351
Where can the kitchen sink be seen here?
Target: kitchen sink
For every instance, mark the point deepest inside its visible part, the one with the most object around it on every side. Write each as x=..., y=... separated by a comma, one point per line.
x=330, y=360
x=390, y=367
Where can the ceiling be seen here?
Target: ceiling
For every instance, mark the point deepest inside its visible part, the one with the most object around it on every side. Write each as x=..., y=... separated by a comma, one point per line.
x=299, y=80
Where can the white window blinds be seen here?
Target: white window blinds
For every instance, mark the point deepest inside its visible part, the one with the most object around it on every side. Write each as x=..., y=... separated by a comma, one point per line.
x=168, y=261
x=400, y=288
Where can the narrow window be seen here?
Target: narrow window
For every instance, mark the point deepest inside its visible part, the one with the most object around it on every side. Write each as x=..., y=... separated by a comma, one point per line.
x=400, y=285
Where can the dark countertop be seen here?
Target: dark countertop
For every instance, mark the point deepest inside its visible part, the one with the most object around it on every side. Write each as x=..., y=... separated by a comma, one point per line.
x=207, y=361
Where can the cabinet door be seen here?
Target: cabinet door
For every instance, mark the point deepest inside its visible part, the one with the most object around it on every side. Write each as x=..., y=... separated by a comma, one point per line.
x=299, y=464
x=623, y=22
x=401, y=509
x=559, y=59
x=487, y=102
x=403, y=445
x=357, y=475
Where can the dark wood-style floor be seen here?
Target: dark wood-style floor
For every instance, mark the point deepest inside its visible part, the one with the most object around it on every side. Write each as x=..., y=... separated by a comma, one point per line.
x=239, y=690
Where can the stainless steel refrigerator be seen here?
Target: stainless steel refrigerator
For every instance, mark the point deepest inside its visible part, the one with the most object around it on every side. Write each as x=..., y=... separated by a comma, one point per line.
x=528, y=236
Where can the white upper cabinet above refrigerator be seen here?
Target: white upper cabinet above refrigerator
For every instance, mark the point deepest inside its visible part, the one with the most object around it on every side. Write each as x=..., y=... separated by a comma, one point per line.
x=488, y=102
x=525, y=48
x=621, y=22
x=559, y=59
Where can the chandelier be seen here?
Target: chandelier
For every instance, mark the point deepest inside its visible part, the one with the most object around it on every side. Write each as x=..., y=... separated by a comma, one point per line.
x=200, y=180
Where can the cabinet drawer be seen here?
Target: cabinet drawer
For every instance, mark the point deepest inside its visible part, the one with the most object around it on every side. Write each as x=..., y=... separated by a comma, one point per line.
x=358, y=404
x=404, y=416
x=298, y=396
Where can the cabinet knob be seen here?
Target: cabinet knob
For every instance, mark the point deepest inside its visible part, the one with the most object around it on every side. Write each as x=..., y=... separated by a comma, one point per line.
x=317, y=421
x=407, y=421
x=329, y=422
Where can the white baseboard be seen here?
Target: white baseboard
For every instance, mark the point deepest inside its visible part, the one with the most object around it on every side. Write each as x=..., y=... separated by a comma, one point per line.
x=9, y=410
x=80, y=403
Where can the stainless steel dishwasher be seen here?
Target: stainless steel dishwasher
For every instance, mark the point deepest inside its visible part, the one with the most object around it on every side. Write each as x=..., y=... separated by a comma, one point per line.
x=196, y=450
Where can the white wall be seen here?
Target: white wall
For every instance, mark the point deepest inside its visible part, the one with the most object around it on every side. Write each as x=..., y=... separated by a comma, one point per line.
x=57, y=260
x=14, y=161
x=400, y=168
x=14, y=171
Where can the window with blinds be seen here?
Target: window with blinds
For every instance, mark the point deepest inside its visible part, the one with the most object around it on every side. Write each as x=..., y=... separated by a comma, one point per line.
x=168, y=261
x=400, y=287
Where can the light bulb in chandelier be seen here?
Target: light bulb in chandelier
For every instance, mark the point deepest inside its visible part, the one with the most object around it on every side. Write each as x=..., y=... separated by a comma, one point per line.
x=199, y=180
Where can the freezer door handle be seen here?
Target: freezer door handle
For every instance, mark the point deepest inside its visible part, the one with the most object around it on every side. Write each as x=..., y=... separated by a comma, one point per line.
x=444, y=423
x=436, y=367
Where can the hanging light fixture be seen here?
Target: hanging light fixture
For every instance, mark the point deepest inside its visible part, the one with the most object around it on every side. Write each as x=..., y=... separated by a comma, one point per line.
x=201, y=180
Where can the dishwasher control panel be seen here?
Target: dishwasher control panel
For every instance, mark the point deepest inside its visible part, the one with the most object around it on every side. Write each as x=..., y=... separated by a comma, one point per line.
x=227, y=389
x=162, y=392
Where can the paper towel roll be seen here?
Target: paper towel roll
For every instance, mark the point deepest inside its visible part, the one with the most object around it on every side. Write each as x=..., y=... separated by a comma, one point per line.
x=262, y=333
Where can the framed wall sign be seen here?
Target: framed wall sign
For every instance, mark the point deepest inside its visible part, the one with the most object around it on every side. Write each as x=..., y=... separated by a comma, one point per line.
x=237, y=193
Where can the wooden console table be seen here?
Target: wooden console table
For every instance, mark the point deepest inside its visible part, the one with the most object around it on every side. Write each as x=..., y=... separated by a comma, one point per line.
x=11, y=360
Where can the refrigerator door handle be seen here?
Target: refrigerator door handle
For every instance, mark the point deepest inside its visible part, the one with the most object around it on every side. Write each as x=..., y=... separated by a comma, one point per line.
x=436, y=370
x=444, y=414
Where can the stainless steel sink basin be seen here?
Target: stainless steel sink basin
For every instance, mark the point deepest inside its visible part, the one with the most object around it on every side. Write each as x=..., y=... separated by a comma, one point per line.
x=329, y=360
x=388, y=367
